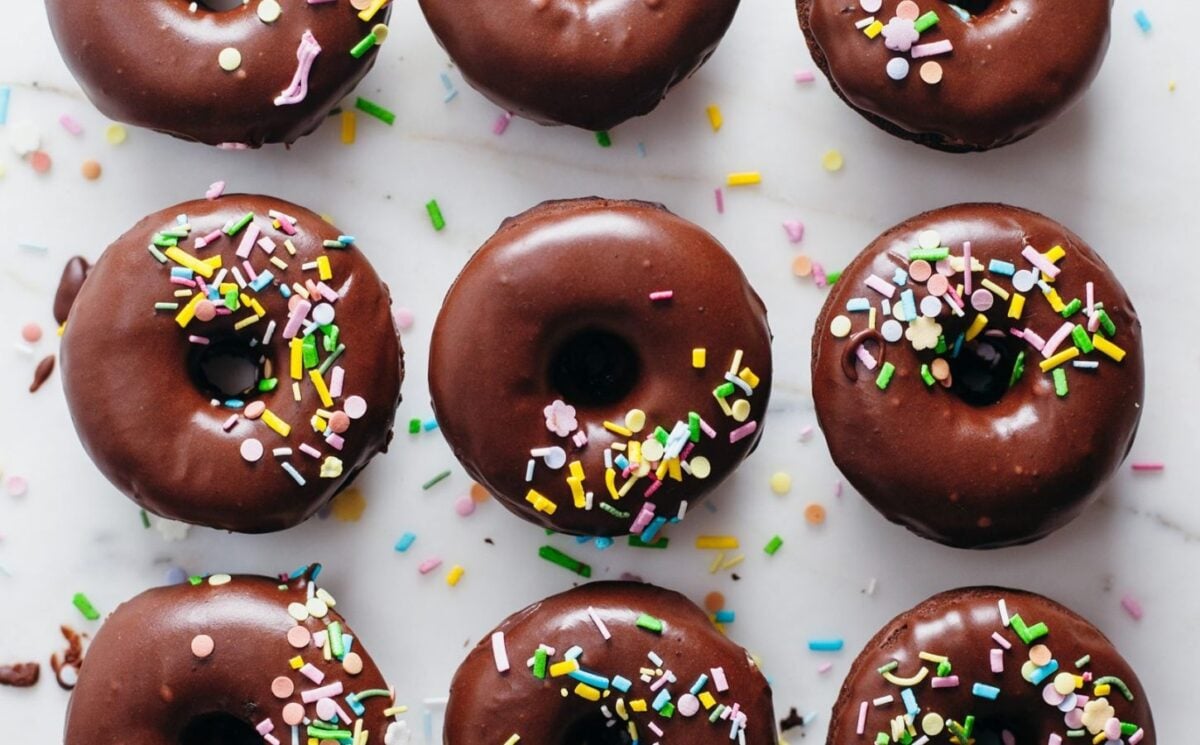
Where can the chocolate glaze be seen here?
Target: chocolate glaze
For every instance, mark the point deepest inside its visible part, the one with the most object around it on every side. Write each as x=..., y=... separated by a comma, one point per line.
x=959, y=625
x=1015, y=67
x=42, y=373
x=142, y=685
x=20, y=674
x=980, y=476
x=154, y=432
x=578, y=62
x=568, y=266
x=73, y=274
x=488, y=706
x=154, y=64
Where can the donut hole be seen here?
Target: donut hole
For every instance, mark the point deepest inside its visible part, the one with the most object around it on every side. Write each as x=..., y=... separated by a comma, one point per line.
x=994, y=731
x=593, y=367
x=981, y=372
x=218, y=728
x=226, y=369
x=221, y=6
x=595, y=730
x=975, y=7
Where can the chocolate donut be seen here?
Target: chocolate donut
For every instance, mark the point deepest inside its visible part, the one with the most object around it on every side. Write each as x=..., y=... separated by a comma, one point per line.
x=983, y=409
x=237, y=660
x=232, y=362
x=609, y=662
x=258, y=73
x=989, y=665
x=600, y=365
x=965, y=77
x=578, y=62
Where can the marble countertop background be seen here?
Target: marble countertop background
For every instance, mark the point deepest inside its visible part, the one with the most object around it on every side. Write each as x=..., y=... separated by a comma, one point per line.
x=1120, y=169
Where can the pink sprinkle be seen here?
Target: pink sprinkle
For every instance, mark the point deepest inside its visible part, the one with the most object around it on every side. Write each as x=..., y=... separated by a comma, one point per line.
x=429, y=565
x=215, y=190
x=653, y=487
x=1032, y=339
x=266, y=244
x=743, y=431
x=206, y=240
x=327, y=292
x=950, y=682
x=643, y=519
x=31, y=333
x=805, y=76
x=502, y=122
x=837, y=489
x=499, y=652
x=662, y=295
x=825, y=667
x=968, y=272
x=329, y=691
x=720, y=196
x=335, y=441
x=1093, y=324
x=997, y=660
x=806, y=433
x=404, y=318
x=862, y=718
x=1090, y=307
x=232, y=420
x=1055, y=739
x=1136, y=737
x=198, y=339
x=819, y=276
x=305, y=53
x=932, y=49
x=655, y=728
x=183, y=281
x=297, y=316
x=1056, y=339
x=1132, y=607
x=270, y=739
x=233, y=146
x=1039, y=261
x=265, y=726
x=880, y=285
x=250, y=273
x=708, y=430
x=16, y=486
x=309, y=450
x=1144, y=465
x=580, y=438
x=865, y=357
x=604, y=632
x=464, y=506
x=718, y=678
x=313, y=673
x=1001, y=640
x=248, y=239
x=70, y=124
x=794, y=230
x=336, y=381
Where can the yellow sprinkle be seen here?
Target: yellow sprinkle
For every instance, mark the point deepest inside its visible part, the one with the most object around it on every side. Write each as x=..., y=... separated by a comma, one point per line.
x=583, y=690
x=635, y=420
x=1055, y=301
x=714, y=117
x=513, y=740
x=369, y=12
x=734, y=561
x=995, y=289
x=257, y=307
x=297, y=362
x=1067, y=354
x=283, y=428
x=699, y=357
x=185, y=259
x=1107, y=347
x=906, y=682
x=540, y=503
x=115, y=134
x=291, y=248
x=318, y=424
x=707, y=700
x=977, y=326
x=627, y=485
x=455, y=574
x=716, y=542
x=566, y=667
x=610, y=481
x=618, y=429
x=875, y=29
x=930, y=657
x=635, y=451
x=674, y=470
x=247, y=321
x=833, y=161
x=359, y=736
x=744, y=178
x=724, y=404
x=279, y=263
x=62, y=328
x=227, y=287
x=186, y=315
x=1102, y=690
x=296, y=662
x=349, y=128
x=781, y=483
x=394, y=710
x=737, y=361
x=638, y=705
x=324, y=271
x=296, y=391
x=300, y=290
x=661, y=471
x=577, y=493
x=183, y=293
x=322, y=389
x=1017, y=306
x=576, y=469
x=716, y=563
x=749, y=378
x=871, y=319
x=1055, y=254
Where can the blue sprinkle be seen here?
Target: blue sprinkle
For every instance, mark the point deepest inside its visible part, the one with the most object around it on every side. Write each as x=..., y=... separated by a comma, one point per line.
x=451, y=91
x=984, y=691
x=649, y=533
x=621, y=684
x=405, y=542
x=699, y=684
x=996, y=266
x=826, y=645
x=581, y=539
x=429, y=425
x=176, y=576
x=262, y=280
x=285, y=291
x=641, y=148
x=5, y=94
x=595, y=681
x=661, y=699
x=1143, y=20
x=958, y=344
x=858, y=304
x=910, y=305
x=356, y=707
x=910, y=702
x=233, y=403
x=291, y=471
x=347, y=239
x=724, y=616
x=182, y=272
x=885, y=305
x=573, y=653
x=603, y=543
x=900, y=278
x=1039, y=676
x=622, y=462
x=1086, y=364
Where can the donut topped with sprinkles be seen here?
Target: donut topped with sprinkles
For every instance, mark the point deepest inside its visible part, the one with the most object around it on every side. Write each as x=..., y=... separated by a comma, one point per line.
x=615, y=662
x=977, y=372
x=990, y=665
x=264, y=71
x=232, y=362
x=232, y=659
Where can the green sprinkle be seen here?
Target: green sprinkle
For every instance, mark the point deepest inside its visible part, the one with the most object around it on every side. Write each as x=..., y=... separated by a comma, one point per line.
x=266, y=385
x=1072, y=308
x=435, y=481
x=637, y=542
x=724, y=390
x=603, y=139
x=926, y=22
x=145, y=519
x=158, y=255
x=1018, y=369
x=1128, y=728
x=661, y=435
x=85, y=606
x=231, y=300
x=833, y=277
x=941, y=345
x=195, y=580
x=165, y=241
x=370, y=693
x=242, y=222
x=716, y=712
x=373, y=109
x=1106, y=324
x=667, y=710
x=1060, y=382
x=539, y=664
x=773, y=545
x=329, y=734
x=361, y=47
x=885, y=376
x=650, y=623
x=166, y=306
x=1083, y=661
x=927, y=376
x=308, y=349
x=554, y=556
x=1116, y=682
x=435, y=214
x=1028, y=633
x=414, y=426
x=944, y=669
x=332, y=244
x=928, y=254
x=337, y=646
x=693, y=426
x=619, y=514
x=328, y=363
x=888, y=667
x=1079, y=335
x=882, y=739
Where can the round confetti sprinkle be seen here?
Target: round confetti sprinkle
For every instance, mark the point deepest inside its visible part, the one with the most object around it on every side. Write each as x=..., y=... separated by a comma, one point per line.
x=298, y=611
x=317, y=608
x=1040, y=655
x=252, y=450
x=814, y=514
x=929, y=239
x=269, y=11
x=381, y=33
x=740, y=409
x=1024, y=280
x=802, y=266
x=352, y=664
x=897, y=68
x=254, y=409
x=218, y=580
x=714, y=601
x=688, y=705
x=832, y=161
x=891, y=330
x=40, y=160
x=360, y=4
x=840, y=327
x=355, y=407
x=920, y=270
x=90, y=170
x=293, y=714
x=115, y=134
x=31, y=332
x=282, y=687
x=202, y=645
x=700, y=466
x=781, y=482
x=16, y=486
x=908, y=10
x=323, y=314
x=931, y=72
x=937, y=285
x=229, y=59
x=931, y=306
x=635, y=420
x=478, y=493
x=933, y=724
x=339, y=422
x=870, y=6
x=981, y=300
x=404, y=318
x=206, y=310
x=464, y=506
x=298, y=636
x=940, y=369
x=556, y=458
x=327, y=709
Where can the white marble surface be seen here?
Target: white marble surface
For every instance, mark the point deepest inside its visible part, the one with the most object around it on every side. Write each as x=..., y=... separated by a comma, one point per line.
x=1120, y=169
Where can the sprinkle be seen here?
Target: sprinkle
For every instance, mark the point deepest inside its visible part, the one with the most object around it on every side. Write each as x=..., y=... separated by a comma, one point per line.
x=291, y=471
x=650, y=623
x=373, y=109
x=455, y=575
x=435, y=481
x=306, y=53
x=832, y=161
x=985, y=691
x=554, y=556
x=826, y=645
x=502, y=122
x=715, y=120
x=5, y=96
x=720, y=197
x=202, y=645
x=1108, y=348
x=81, y=602
x=773, y=545
x=229, y=59
x=885, y=376
x=405, y=542
x=603, y=139
x=349, y=128
x=1060, y=382
x=1132, y=607
x=435, y=214
x=1142, y=20
x=743, y=431
x=743, y=178
x=1147, y=466
x=716, y=542
x=604, y=632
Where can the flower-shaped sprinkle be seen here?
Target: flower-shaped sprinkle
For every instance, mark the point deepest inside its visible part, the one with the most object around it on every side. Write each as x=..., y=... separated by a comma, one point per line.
x=923, y=333
x=900, y=34
x=1096, y=714
x=560, y=418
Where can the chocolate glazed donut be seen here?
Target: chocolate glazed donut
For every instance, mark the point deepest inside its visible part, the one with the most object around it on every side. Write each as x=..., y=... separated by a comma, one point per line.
x=991, y=665
x=599, y=366
x=263, y=72
x=650, y=666
x=238, y=374
x=579, y=62
x=1004, y=402
x=976, y=79
x=207, y=662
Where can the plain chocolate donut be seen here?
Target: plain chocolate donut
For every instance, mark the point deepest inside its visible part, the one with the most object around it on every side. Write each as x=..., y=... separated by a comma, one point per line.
x=1003, y=70
x=615, y=323
x=991, y=665
x=650, y=665
x=579, y=62
x=143, y=371
x=963, y=454
x=212, y=661
x=158, y=64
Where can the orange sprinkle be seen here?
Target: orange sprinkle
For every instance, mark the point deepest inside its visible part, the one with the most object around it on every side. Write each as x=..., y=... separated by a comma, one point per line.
x=802, y=266
x=714, y=601
x=478, y=493
x=90, y=170
x=814, y=514
x=40, y=161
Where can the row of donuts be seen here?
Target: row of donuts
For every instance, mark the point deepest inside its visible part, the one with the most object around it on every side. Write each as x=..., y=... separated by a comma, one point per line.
x=958, y=77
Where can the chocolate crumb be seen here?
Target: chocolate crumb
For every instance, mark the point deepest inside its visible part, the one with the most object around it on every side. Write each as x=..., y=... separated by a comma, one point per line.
x=42, y=373
x=72, y=657
x=20, y=675
x=791, y=721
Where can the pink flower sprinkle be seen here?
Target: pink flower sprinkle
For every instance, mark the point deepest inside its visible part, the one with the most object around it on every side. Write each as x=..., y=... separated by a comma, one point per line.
x=794, y=230
x=560, y=418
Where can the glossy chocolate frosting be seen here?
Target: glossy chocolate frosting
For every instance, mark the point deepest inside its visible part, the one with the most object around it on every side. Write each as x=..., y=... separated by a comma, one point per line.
x=141, y=683
x=489, y=706
x=1015, y=66
x=149, y=421
x=580, y=62
x=970, y=474
x=566, y=268
x=153, y=63
x=959, y=626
